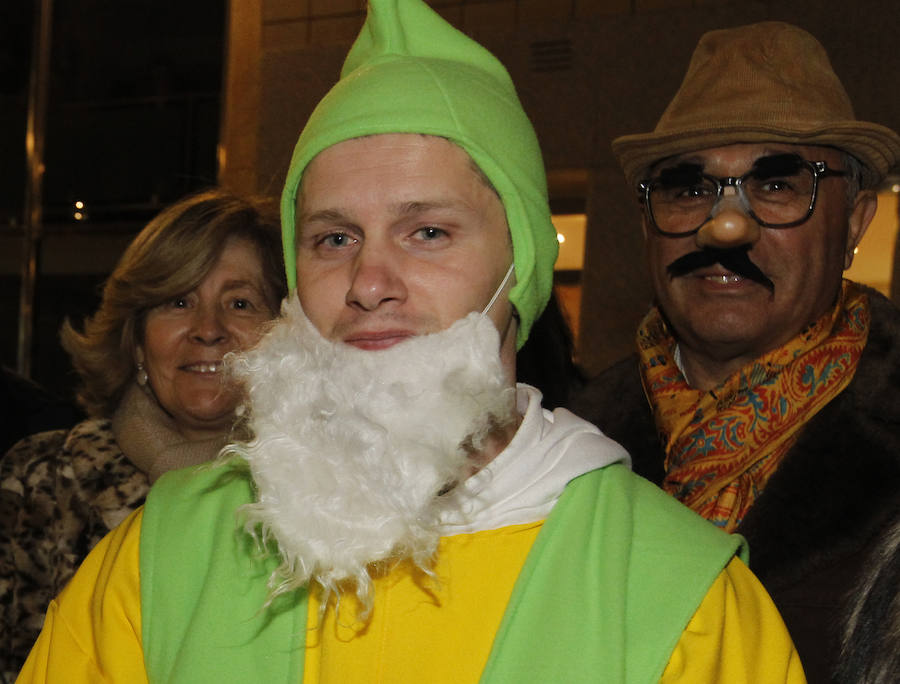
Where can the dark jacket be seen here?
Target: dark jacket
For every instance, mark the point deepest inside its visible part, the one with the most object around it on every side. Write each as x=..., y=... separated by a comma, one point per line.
x=824, y=511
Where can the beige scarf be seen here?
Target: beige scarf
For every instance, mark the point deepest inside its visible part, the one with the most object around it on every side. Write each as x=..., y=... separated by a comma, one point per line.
x=150, y=439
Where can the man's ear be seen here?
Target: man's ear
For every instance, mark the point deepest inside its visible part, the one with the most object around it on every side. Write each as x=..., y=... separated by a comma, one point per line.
x=861, y=216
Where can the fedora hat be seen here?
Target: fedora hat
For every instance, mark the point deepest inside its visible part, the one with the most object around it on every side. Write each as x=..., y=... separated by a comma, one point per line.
x=766, y=82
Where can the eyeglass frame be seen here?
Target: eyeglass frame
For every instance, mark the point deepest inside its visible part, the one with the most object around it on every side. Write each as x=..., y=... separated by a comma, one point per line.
x=819, y=170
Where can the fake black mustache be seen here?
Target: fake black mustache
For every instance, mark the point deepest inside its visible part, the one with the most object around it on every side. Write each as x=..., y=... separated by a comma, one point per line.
x=735, y=260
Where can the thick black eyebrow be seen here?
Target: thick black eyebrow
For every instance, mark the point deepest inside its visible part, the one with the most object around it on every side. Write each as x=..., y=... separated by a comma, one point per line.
x=768, y=165
x=680, y=173
x=776, y=165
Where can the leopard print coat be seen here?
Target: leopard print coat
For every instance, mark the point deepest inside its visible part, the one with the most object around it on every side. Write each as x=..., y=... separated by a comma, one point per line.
x=60, y=493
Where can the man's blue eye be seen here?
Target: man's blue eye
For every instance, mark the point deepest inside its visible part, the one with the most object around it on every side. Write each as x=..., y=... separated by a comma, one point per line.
x=431, y=233
x=336, y=239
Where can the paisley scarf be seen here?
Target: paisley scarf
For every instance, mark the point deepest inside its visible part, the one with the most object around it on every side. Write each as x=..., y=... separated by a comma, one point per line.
x=723, y=445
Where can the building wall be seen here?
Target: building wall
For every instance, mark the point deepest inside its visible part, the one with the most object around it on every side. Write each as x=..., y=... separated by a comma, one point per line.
x=586, y=70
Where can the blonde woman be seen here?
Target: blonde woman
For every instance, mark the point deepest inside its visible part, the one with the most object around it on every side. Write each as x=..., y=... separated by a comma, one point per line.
x=199, y=281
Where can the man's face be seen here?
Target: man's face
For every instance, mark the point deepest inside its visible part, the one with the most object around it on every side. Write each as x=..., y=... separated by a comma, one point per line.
x=397, y=235
x=726, y=316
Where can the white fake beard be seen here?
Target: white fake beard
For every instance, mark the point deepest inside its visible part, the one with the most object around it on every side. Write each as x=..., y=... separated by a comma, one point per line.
x=352, y=448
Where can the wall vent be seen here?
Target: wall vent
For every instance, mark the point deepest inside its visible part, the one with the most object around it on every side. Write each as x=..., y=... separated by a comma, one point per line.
x=552, y=55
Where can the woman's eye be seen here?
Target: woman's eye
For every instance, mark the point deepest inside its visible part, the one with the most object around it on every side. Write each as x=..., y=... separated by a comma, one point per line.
x=179, y=303
x=336, y=240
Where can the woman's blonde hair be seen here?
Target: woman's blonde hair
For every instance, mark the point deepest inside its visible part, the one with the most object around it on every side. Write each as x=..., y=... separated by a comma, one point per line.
x=168, y=258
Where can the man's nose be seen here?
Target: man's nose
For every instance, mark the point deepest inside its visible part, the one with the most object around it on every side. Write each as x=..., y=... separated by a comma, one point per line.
x=730, y=226
x=376, y=279
x=207, y=326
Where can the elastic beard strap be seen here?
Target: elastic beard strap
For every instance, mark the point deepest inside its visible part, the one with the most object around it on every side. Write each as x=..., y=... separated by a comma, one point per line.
x=497, y=292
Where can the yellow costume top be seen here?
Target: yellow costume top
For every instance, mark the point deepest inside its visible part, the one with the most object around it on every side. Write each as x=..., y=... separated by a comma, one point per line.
x=93, y=630
x=437, y=628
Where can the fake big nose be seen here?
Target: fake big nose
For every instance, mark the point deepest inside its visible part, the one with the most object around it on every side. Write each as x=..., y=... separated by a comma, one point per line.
x=731, y=226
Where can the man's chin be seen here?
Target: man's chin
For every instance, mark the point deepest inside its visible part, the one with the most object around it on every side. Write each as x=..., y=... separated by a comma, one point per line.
x=726, y=340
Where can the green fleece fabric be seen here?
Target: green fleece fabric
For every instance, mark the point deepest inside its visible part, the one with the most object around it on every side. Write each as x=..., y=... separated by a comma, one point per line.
x=409, y=71
x=612, y=580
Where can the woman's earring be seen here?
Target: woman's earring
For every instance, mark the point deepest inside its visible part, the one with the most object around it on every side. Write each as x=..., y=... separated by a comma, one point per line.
x=141, y=375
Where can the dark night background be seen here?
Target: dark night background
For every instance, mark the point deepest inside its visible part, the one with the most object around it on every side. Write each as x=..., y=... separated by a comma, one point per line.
x=132, y=125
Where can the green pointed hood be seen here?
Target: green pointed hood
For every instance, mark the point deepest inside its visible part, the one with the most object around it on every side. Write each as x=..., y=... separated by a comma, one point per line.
x=409, y=71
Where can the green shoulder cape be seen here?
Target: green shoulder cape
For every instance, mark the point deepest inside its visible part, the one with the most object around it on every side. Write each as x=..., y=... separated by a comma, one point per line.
x=615, y=574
